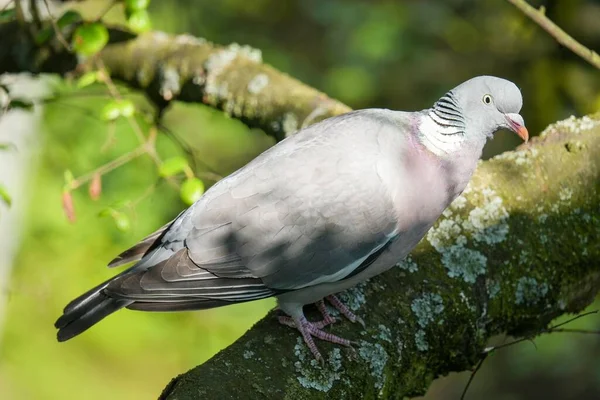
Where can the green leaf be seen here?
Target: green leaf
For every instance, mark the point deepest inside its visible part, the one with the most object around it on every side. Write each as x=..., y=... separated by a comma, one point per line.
x=90, y=38
x=4, y=196
x=69, y=178
x=134, y=5
x=20, y=104
x=44, y=34
x=118, y=108
x=122, y=221
x=87, y=79
x=172, y=166
x=191, y=190
x=8, y=15
x=70, y=17
x=111, y=110
x=126, y=108
x=107, y=212
x=139, y=21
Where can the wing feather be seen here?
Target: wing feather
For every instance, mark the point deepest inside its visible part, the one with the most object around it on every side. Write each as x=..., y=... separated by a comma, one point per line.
x=136, y=252
x=311, y=210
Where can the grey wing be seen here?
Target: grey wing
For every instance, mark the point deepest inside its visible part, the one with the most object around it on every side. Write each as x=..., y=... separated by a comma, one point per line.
x=309, y=211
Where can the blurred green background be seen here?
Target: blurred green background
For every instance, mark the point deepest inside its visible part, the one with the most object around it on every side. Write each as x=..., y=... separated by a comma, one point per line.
x=393, y=54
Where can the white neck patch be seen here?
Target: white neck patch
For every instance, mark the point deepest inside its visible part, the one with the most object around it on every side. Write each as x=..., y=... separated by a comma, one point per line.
x=439, y=139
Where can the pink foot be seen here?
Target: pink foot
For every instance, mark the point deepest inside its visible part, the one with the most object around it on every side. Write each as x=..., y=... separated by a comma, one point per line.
x=345, y=311
x=327, y=318
x=288, y=321
x=310, y=329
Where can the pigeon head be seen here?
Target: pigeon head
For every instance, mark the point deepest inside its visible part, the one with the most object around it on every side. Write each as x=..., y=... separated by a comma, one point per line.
x=482, y=106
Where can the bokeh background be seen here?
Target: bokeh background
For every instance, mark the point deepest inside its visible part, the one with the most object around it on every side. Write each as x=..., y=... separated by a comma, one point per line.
x=367, y=53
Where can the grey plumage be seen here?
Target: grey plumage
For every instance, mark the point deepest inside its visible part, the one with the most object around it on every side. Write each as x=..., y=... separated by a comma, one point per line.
x=335, y=204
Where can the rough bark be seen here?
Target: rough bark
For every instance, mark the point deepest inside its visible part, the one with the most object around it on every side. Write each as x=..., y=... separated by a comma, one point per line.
x=167, y=67
x=519, y=248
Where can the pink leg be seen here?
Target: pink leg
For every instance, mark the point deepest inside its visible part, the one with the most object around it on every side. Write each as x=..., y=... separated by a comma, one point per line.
x=345, y=311
x=308, y=330
x=327, y=318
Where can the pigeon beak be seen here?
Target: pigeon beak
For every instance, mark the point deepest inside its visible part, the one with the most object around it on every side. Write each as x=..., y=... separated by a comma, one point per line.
x=516, y=123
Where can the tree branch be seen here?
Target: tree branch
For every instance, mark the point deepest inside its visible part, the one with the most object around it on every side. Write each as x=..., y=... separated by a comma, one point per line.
x=518, y=249
x=185, y=68
x=562, y=37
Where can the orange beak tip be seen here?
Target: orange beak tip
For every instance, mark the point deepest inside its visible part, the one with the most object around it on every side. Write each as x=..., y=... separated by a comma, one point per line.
x=523, y=133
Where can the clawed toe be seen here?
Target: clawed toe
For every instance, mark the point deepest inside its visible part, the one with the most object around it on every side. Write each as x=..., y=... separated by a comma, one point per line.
x=344, y=310
x=360, y=321
x=310, y=330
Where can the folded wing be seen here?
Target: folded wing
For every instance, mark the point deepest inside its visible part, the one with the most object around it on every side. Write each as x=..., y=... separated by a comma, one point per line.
x=309, y=211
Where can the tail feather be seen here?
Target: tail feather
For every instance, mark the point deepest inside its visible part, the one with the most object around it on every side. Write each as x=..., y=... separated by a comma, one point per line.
x=72, y=326
x=86, y=310
x=188, y=305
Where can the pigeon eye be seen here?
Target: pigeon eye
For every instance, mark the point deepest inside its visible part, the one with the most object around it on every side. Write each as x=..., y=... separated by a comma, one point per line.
x=487, y=99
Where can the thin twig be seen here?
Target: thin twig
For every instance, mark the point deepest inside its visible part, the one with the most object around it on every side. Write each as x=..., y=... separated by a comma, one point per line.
x=114, y=164
x=6, y=6
x=553, y=329
x=57, y=30
x=584, y=331
x=112, y=88
x=477, y=368
x=494, y=348
x=109, y=7
x=562, y=37
x=133, y=204
x=210, y=173
x=149, y=190
x=20, y=14
x=35, y=13
x=585, y=314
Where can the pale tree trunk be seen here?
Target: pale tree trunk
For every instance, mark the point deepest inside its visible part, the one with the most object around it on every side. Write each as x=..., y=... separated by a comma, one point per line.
x=19, y=129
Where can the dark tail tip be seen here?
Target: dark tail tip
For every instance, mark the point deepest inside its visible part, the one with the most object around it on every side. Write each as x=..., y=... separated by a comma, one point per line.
x=84, y=312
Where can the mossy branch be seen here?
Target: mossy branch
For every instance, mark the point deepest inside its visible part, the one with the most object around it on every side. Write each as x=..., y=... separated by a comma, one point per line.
x=519, y=248
x=167, y=67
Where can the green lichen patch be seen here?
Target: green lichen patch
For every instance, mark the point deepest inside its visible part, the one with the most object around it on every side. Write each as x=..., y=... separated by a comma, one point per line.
x=462, y=262
x=522, y=157
x=572, y=125
x=458, y=237
x=354, y=297
x=421, y=340
x=311, y=374
x=217, y=63
x=493, y=288
x=408, y=265
x=376, y=357
x=384, y=334
x=258, y=83
x=529, y=291
x=290, y=123
x=426, y=308
x=488, y=222
x=170, y=82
